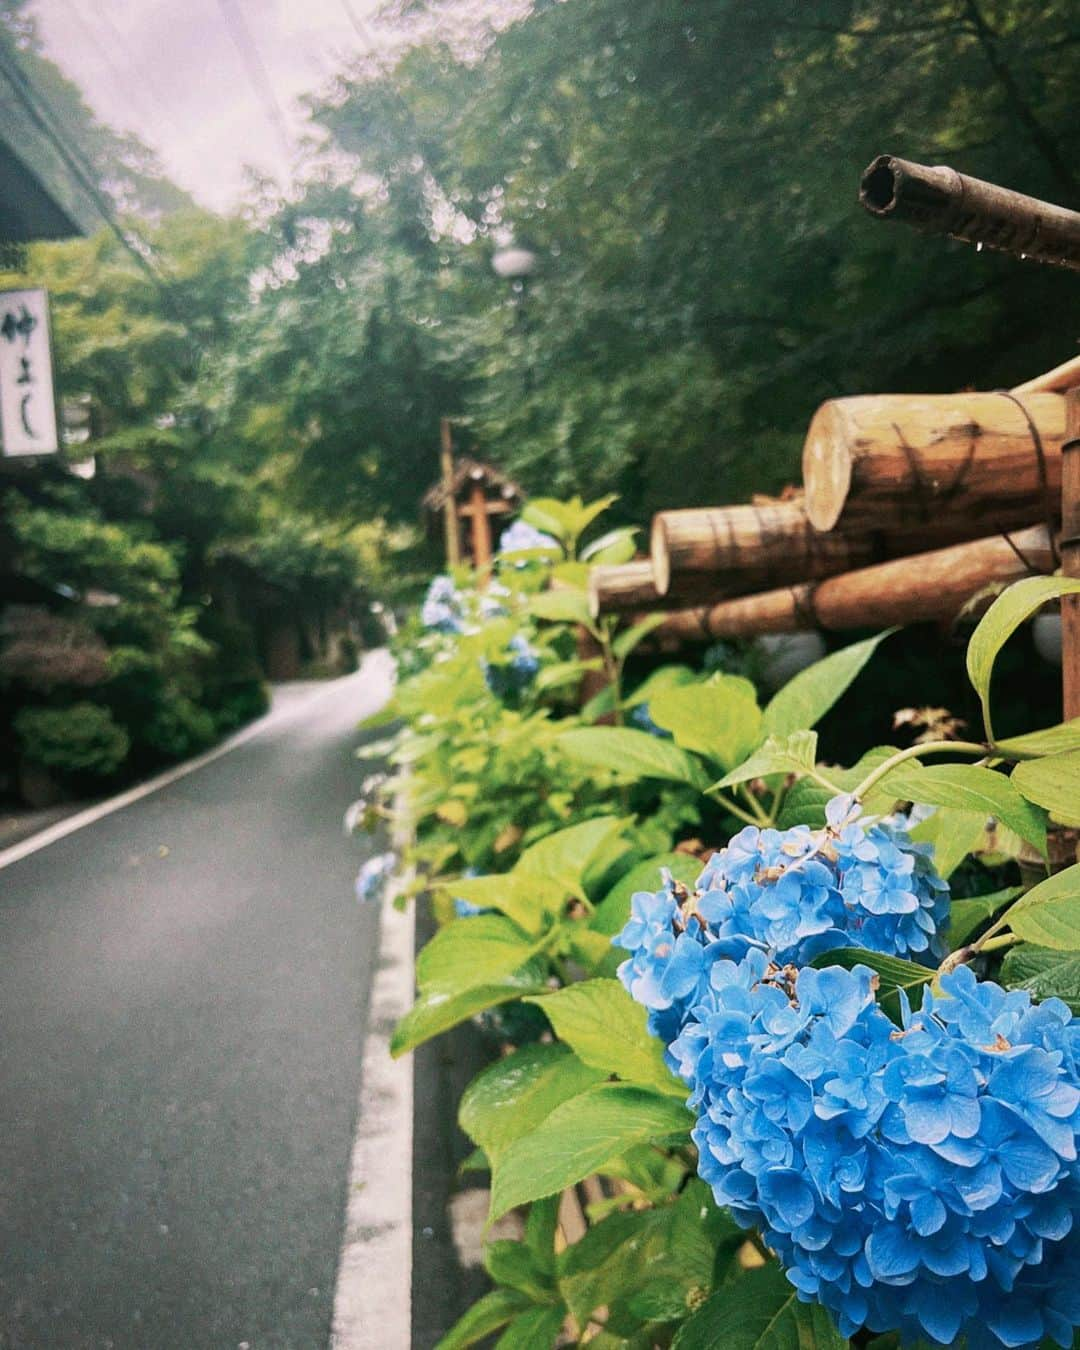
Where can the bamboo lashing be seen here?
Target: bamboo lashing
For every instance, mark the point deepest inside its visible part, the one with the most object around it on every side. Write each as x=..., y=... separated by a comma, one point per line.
x=962, y=465
x=926, y=586
x=939, y=200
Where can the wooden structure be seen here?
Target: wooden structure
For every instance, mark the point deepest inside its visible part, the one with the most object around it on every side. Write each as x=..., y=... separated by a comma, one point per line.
x=470, y=490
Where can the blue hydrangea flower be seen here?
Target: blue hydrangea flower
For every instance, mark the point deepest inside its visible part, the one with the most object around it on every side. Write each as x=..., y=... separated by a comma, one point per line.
x=640, y=717
x=442, y=609
x=516, y=672
x=916, y=1180
x=372, y=878
x=522, y=536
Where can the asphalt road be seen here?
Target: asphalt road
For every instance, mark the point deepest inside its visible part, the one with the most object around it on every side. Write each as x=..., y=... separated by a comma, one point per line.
x=181, y=1023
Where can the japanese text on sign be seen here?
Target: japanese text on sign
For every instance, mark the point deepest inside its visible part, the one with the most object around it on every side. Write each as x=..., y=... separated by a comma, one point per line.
x=27, y=403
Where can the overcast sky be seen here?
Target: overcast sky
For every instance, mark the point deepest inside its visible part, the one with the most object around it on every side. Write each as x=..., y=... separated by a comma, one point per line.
x=171, y=71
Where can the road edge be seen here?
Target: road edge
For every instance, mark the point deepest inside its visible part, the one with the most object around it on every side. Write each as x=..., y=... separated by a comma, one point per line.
x=373, y=1294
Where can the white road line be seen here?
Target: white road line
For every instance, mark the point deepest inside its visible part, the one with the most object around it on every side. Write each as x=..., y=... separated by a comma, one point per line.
x=373, y=1297
x=372, y=664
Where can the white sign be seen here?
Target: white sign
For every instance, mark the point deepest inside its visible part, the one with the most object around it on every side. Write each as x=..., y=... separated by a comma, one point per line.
x=27, y=402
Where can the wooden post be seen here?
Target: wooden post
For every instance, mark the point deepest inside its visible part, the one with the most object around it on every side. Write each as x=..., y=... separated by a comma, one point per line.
x=450, y=522
x=1070, y=555
x=481, y=528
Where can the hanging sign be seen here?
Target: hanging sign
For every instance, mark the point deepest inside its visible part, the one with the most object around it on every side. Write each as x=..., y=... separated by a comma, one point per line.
x=27, y=401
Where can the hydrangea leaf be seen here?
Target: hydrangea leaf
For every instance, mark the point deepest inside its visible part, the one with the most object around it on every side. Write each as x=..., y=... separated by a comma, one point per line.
x=562, y=606
x=1012, y=608
x=512, y=1264
x=967, y=787
x=607, y=1030
x=614, y=547
x=1049, y=914
x=805, y=801
x=760, y=1311
x=719, y=718
x=522, y=898
x=966, y=917
x=804, y=700
x=560, y=860
x=796, y=753
x=579, y=1137
x=1054, y=783
x=1044, y=973
x=438, y=1009
x=613, y=911
x=537, y=1329
x=477, y=952
x=595, y=1271
x=627, y=640
x=1050, y=741
x=513, y=1095
x=564, y=672
x=493, y=1311
x=659, y=679
x=632, y=754
x=893, y=973
x=954, y=834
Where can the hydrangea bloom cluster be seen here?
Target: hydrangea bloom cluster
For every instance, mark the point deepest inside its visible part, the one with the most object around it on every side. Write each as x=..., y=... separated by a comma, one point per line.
x=922, y=1180
x=516, y=672
x=442, y=608
x=372, y=878
x=521, y=536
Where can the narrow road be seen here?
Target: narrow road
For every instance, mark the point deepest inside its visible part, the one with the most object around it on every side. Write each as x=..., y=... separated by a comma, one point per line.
x=181, y=1025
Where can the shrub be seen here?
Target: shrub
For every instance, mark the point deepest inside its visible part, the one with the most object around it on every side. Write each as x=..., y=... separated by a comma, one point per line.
x=82, y=739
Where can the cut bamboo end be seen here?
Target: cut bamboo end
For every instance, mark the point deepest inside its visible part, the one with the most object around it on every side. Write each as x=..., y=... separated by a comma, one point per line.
x=957, y=466
x=1063, y=377
x=658, y=552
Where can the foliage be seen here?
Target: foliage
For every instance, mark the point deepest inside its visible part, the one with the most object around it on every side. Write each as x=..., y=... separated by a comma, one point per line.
x=81, y=740
x=815, y=870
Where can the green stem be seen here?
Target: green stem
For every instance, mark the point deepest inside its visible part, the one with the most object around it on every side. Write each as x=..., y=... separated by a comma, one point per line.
x=913, y=752
x=735, y=809
x=996, y=944
x=755, y=806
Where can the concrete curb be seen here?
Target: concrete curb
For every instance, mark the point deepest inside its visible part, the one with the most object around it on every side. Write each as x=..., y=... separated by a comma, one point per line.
x=373, y=1296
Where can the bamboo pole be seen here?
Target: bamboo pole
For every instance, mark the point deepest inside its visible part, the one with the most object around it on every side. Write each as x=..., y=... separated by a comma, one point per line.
x=1056, y=381
x=1070, y=556
x=744, y=546
x=450, y=524
x=941, y=201
x=958, y=465
x=632, y=586
x=926, y=586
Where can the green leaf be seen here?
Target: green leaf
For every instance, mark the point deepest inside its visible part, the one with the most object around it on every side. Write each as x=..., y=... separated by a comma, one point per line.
x=512, y=1264
x=597, y=1270
x=966, y=917
x=437, y=1010
x=631, y=754
x=607, y=1030
x=1050, y=741
x=1012, y=608
x=893, y=973
x=805, y=801
x=1044, y=973
x=473, y=951
x=578, y=1138
x=719, y=718
x=493, y=1311
x=537, y=1329
x=804, y=700
x=522, y=898
x=954, y=834
x=659, y=679
x=796, y=753
x=613, y=911
x=513, y=1095
x=1049, y=914
x=560, y=860
x=760, y=1311
x=615, y=547
x=1053, y=783
x=967, y=787
x=629, y=638
x=564, y=672
x=541, y=1225
x=566, y=605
